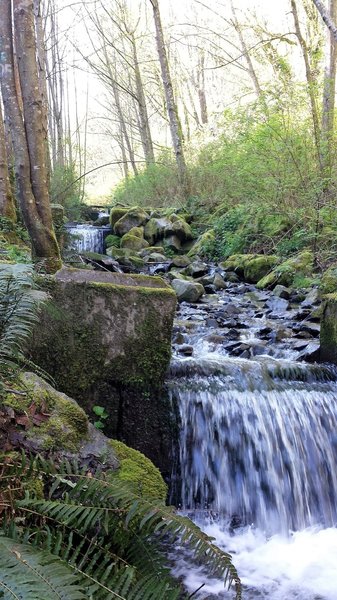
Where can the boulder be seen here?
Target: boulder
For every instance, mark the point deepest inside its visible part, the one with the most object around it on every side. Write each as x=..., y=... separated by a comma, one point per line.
x=133, y=242
x=197, y=269
x=202, y=244
x=117, y=212
x=258, y=266
x=155, y=228
x=282, y=292
x=328, y=283
x=172, y=243
x=219, y=282
x=294, y=271
x=181, y=261
x=133, y=218
x=187, y=290
x=180, y=229
x=112, y=240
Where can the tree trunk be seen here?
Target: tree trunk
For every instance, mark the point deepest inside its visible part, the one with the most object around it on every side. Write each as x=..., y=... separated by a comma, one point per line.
x=328, y=19
x=246, y=54
x=28, y=137
x=329, y=97
x=7, y=206
x=310, y=81
x=175, y=125
x=145, y=132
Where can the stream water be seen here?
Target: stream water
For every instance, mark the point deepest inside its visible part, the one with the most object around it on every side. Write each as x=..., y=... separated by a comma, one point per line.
x=258, y=445
x=87, y=238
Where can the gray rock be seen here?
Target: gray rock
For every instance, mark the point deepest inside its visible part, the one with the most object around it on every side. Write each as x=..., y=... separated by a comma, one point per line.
x=311, y=353
x=187, y=290
x=281, y=291
x=197, y=269
x=277, y=305
x=172, y=242
x=311, y=299
x=219, y=282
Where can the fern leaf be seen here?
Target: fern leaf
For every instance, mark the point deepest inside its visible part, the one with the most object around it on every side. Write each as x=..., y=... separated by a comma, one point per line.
x=29, y=574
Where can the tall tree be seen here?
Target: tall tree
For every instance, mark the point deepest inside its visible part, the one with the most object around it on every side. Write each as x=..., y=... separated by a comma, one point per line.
x=171, y=106
x=7, y=206
x=329, y=93
x=27, y=129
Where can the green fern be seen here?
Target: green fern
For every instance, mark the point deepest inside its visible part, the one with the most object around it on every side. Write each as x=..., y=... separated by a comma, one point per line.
x=110, y=538
x=19, y=303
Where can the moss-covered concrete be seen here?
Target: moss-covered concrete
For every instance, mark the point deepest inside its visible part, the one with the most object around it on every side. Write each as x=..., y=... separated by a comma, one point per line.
x=106, y=340
x=328, y=335
x=138, y=471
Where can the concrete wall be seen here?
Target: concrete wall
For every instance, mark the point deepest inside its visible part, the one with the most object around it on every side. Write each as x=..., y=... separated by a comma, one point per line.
x=106, y=340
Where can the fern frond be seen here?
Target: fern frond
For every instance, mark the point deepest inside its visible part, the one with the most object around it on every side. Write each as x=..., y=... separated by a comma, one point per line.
x=29, y=574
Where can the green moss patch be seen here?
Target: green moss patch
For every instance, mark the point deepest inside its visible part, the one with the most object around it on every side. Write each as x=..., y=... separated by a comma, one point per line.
x=139, y=472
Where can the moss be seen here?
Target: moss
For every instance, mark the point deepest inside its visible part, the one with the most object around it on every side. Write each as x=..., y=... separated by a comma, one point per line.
x=296, y=272
x=112, y=240
x=259, y=266
x=63, y=423
x=201, y=246
x=133, y=242
x=117, y=213
x=268, y=281
x=328, y=284
x=139, y=471
x=137, y=232
x=328, y=335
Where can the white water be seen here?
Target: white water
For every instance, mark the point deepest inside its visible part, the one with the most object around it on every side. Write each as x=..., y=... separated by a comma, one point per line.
x=301, y=566
x=258, y=452
x=86, y=238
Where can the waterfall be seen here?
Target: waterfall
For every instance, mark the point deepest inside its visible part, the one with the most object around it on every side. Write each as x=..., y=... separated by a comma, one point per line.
x=261, y=452
x=87, y=238
x=258, y=462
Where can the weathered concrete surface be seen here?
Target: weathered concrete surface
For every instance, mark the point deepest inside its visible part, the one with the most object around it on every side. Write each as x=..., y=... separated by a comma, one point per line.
x=328, y=335
x=106, y=340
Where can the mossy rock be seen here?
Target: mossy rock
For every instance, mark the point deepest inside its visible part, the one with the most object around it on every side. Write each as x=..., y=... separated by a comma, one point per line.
x=112, y=240
x=53, y=421
x=134, y=217
x=328, y=283
x=133, y=242
x=237, y=262
x=328, y=334
x=259, y=267
x=155, y=228
x=150, y=249
x=180, y=229
x=296, y=271
x=117, y=213
x=137, y=232
x=137, y=470
x=200, y=247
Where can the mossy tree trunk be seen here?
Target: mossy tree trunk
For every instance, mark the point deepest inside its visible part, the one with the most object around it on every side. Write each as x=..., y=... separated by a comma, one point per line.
x=24, y=111
x=7, y=206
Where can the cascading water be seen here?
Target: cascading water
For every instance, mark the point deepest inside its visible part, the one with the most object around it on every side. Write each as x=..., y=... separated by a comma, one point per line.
x=87, y=238
x=258, y=462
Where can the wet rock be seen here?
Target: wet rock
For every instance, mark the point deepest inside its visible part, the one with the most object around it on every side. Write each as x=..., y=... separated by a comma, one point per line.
x=282, y=292
x=312, y=328
x=219, y=282
x=212, y=322
x=187, y=290
x=264, y=332
x=277, y=305
x=172, y=242
x=231, y=277
x=210, y=289
x=186, y=349
x=197, y=269
x=154, y=229
x=311, y=353
x=133, y=242
x=180, y=229
x=311, y=299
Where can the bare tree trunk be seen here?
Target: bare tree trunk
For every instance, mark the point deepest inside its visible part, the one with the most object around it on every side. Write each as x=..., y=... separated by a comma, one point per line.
x=145, y=132
x=28, y=139
x=310, y=81
x=7, y=206
x=246, y=54
x=328, y=19
x=329, y=97
x=172, y=110
x=202, y=90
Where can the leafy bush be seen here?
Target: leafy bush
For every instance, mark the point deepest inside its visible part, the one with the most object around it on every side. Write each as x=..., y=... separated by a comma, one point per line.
x=65, y=189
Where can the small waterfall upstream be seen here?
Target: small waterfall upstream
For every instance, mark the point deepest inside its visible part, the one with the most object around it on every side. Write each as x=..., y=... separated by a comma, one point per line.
x=87, y=238
x=258, y=461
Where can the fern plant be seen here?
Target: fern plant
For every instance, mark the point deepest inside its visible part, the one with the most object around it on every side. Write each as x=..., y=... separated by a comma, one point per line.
x=19, y=302
x=89, y=537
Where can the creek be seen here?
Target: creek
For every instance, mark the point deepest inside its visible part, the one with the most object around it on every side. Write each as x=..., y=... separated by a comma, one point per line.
x=257, y=464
